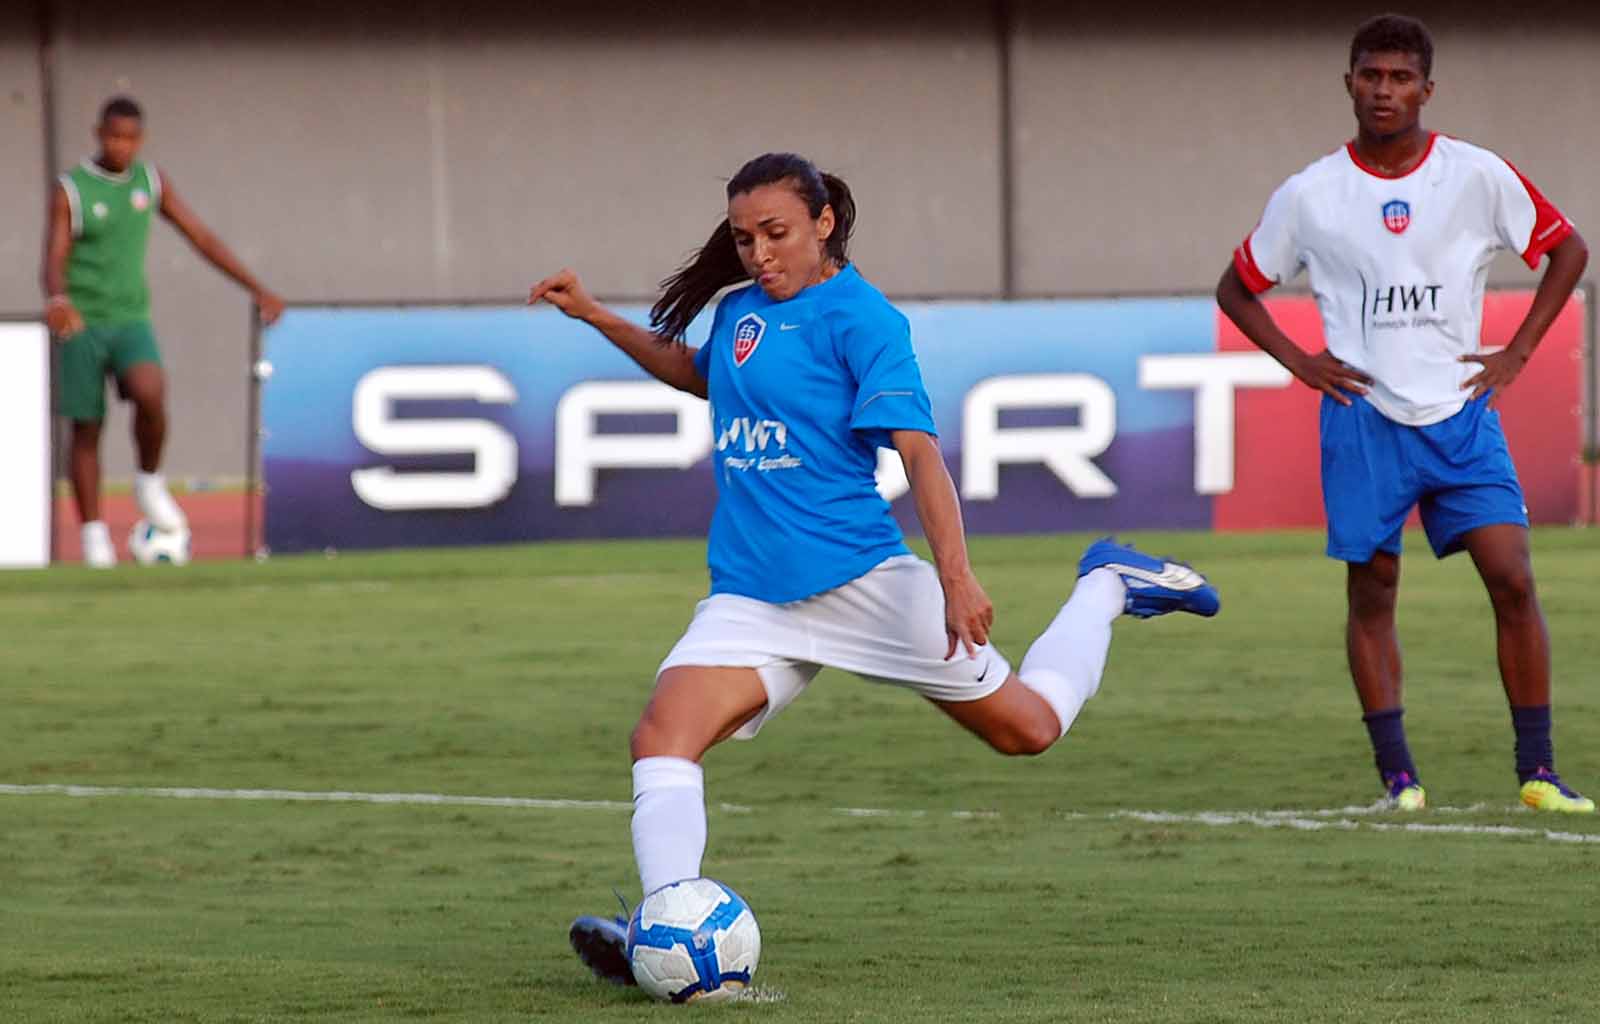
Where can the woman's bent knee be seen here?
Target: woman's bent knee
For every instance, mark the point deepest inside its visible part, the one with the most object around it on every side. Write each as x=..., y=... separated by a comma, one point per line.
x=692, y=709
x=652, y=738
x=1028, y=740
x=1025, y=738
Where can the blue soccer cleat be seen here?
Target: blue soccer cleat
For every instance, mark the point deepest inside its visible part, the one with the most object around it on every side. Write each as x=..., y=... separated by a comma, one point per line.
x=602, y=944
x=1156, y=586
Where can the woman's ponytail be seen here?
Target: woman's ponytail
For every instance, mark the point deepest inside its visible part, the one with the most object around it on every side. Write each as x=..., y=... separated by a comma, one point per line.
x=683, y=295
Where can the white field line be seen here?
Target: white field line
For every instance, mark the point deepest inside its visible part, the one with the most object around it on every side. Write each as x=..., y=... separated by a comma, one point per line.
x=1338, y=818
x=335, y=797
x=1313, y=821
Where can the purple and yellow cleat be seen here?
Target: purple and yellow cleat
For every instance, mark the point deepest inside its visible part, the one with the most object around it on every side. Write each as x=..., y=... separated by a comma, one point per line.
x=1405, y=793
x=1546, y=792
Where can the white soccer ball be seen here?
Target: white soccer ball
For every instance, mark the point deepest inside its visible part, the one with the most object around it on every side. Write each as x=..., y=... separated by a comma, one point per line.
x=693, y=940
x=152, y=546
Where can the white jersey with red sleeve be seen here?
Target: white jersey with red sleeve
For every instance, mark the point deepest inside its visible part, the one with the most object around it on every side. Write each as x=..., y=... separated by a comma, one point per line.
x=1398, y=264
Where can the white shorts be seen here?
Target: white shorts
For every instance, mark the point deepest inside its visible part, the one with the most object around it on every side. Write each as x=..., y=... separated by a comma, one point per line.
x=886, y=626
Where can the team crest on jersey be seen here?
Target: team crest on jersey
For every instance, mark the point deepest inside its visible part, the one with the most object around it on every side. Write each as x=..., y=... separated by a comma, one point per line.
x=1397, y=215
x=747, y=333
x=140, y=200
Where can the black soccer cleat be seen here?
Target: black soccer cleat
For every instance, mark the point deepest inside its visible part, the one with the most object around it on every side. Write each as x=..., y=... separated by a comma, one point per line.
x=602, y=944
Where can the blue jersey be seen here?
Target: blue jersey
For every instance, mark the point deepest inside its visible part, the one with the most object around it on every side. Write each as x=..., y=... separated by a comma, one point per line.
x=803, y=393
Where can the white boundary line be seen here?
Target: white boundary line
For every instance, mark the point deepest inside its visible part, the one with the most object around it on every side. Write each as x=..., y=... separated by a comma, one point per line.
x=1339, y=818
x=1313, y=821
x=304, y=796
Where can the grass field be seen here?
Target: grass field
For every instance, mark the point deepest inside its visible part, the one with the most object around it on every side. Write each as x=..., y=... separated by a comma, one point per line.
x=986, y=889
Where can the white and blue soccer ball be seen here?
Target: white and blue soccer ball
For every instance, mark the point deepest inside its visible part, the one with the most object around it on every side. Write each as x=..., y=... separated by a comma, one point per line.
x=694, y=940
x=152, y=546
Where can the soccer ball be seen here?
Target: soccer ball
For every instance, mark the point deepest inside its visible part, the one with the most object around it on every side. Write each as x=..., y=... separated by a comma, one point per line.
x=693, y=940
x=150, y=546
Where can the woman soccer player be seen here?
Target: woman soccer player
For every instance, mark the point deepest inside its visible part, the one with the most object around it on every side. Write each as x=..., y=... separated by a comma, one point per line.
x=809, y=371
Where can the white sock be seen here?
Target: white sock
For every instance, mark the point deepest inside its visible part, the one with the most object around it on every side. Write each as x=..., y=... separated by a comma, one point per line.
x=98, y=551
x=669, y=820
x=1065, y=664
x=157, y=503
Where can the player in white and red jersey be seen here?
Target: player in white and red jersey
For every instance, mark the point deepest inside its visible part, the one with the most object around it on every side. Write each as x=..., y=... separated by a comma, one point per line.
x=1397, y=229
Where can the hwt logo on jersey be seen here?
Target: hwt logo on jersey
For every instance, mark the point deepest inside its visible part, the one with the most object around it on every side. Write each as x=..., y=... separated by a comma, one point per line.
x=1406, y=298
x=754, y=435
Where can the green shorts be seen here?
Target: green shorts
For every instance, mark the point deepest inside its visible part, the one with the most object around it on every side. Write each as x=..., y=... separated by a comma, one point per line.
x=89, y=356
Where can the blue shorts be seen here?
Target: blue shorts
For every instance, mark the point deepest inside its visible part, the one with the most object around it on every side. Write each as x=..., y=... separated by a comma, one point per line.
x=1374, y=470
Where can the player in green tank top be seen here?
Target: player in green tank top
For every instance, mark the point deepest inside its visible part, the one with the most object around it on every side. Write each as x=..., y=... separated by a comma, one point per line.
x=98, y=308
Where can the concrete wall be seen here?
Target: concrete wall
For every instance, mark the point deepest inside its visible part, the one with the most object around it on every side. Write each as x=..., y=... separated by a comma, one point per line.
x=1148, y=140
x=22, y=163
x=436, y=150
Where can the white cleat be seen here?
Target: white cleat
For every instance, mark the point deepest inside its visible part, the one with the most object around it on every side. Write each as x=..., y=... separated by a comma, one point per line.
x=98, y=551
x=157, y=503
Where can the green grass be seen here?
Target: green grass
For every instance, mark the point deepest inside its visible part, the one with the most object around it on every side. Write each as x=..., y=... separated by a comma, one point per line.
x=519, y=671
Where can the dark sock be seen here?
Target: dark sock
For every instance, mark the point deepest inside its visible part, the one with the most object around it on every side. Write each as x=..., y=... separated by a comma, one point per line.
x=1387, y=730
x=1534, y=749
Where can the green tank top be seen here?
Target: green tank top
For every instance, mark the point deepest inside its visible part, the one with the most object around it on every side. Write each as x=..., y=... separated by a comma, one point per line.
x=111, y=215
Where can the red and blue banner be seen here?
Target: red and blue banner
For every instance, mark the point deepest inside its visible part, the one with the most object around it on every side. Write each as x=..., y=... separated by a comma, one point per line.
x=398, y=426
x=1276, y=479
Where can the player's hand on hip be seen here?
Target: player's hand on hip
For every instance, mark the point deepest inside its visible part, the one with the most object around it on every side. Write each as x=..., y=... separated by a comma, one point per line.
x=968, y=614
x=269, y=307
x=566, y=292
x=1497, y=371
x=1334, y=378
x=62, y=318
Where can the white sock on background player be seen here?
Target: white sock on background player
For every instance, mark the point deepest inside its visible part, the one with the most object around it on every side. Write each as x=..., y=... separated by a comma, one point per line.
x=157, y=503
x=1065, y=663
x=98, y=551
x=669, y=820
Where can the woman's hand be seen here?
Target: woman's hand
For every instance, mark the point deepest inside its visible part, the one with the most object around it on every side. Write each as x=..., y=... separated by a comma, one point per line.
x=564, y=291
x=967, y=611
x=968, y=614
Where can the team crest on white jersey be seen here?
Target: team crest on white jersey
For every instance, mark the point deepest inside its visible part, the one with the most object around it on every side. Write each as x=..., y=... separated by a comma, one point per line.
x=748, y=331
x=140, y=200
x=1397, y=215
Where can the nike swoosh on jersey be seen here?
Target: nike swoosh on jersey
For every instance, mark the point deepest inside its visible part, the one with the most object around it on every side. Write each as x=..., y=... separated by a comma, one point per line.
x=788, y=327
